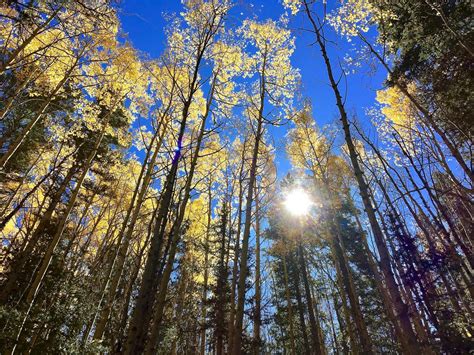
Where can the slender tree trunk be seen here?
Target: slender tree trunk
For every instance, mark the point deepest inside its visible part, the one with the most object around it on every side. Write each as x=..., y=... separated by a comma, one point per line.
x=333, y=328
x=313, y=322
x=446, y=242
x=125, y=308
x=178, y=306
x=23, y=179
x=465, y=248
x=206, y=271
x=258, y=291
x=239, y=316
x=289, y=305
x=379, y=282
x=11, y=99
x=21, y=203
x=408, y=337
x=175, y=233
x=128, y=293
x=221, y=283
x=348, y=281
x=238, y=326
x=139, y=324
x=299, y=300
x=354, y=346
x=235, y=266
x=345, y=350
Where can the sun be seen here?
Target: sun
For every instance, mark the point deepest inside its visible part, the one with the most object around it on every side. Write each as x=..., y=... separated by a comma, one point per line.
x=297, y=202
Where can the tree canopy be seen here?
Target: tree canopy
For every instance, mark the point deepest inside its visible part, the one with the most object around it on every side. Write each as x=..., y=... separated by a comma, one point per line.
x=197, y=202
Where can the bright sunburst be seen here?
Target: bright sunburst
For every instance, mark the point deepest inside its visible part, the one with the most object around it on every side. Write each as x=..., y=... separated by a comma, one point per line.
x=297, y=202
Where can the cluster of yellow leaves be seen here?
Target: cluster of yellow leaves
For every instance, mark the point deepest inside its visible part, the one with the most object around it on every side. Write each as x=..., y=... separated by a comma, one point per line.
x=121, y=77
x=9, y=230
x=56, y=53
x=396, y=107
x=292, y=5
x=177, y=42
x=229, y=61
x=197, y=214
x=351, y=17
x=97, y=19
x=365, y=155
x=199, y=12
x=211, y=162
x=283, y=247
x=266, y=36
x=310, y=150
x=201, y=18
x=307, y=145
x=104, y=74
x=123, y=137
x=141, y=138
x=164, y=83
x=6, y=26
x=398, y=120
x=273, y=45
x=178, y=67
x=54, y=46
x=356, y=16
x=107, y=36
x=122, y=185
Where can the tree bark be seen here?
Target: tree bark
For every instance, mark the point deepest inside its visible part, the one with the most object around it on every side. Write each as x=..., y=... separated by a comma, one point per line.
x=258, y=291
x=174, y=240
x=348, y=281
x=127, y=231
x=290, y=306
x=235, y=266
x=206, y=272
x=239, y=317
x=313, y=322
x=299, y=300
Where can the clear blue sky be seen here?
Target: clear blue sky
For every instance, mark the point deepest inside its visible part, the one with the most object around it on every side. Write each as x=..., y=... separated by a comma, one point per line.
x=143, y=22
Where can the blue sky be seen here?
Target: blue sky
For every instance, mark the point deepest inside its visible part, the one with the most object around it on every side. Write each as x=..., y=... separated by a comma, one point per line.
x=143, y=23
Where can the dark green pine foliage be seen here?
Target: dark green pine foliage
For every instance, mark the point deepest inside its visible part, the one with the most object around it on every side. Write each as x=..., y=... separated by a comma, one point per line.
x=219, y=301
x=280, y=325
x=433, y=42
x=369, y=297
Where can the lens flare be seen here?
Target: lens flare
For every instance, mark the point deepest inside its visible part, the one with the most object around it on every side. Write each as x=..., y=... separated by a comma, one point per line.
x=297, y=202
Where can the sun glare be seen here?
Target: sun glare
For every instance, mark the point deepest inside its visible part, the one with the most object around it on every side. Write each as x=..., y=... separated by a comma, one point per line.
x=297, y=202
